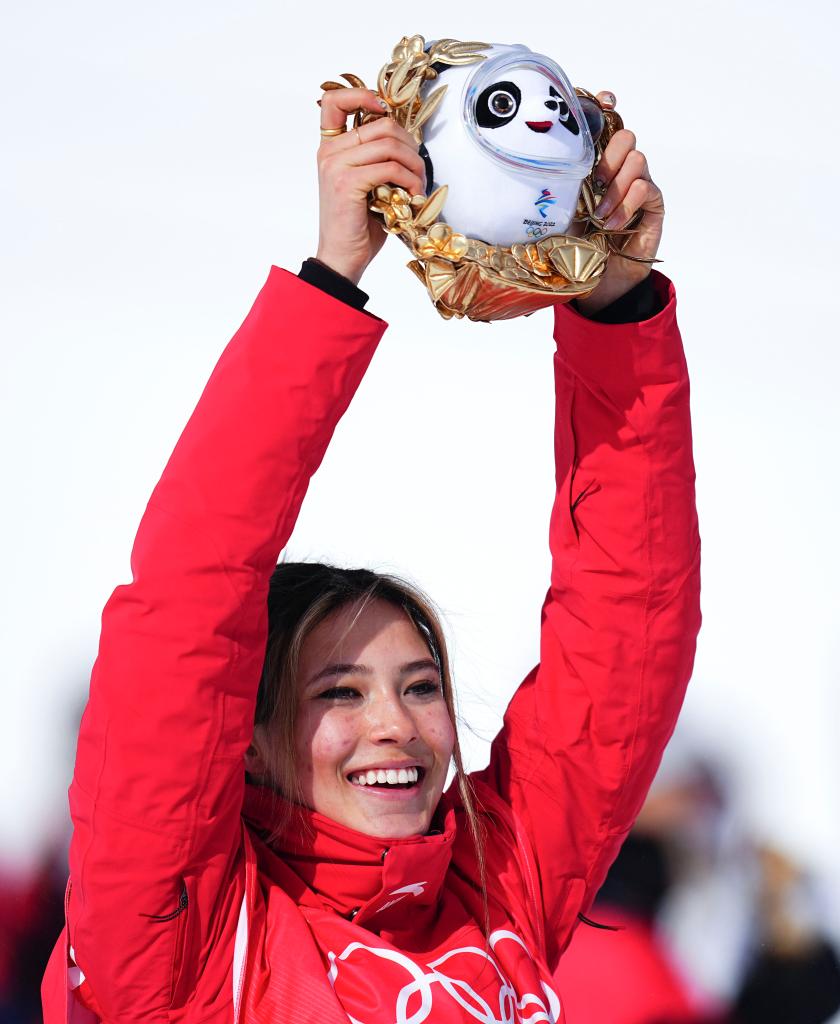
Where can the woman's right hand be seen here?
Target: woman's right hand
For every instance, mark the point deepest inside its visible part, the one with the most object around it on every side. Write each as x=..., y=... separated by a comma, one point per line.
x=349, y=167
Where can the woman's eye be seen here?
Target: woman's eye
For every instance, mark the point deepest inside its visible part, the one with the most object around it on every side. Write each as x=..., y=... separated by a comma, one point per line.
x=502, y=103
x=339, y=693
x=426, y=688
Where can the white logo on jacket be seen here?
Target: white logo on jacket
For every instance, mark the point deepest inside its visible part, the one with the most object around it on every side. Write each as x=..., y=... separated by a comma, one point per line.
x=529, y=1008
x=413, y=889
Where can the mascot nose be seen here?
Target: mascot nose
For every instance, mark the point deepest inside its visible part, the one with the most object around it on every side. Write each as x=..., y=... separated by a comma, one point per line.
x=535, y=115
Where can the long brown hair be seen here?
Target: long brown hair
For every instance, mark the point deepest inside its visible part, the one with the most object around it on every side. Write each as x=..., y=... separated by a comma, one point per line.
x=301, y=595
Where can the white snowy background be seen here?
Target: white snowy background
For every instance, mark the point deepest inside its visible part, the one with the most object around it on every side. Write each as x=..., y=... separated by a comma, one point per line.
x=157, y=158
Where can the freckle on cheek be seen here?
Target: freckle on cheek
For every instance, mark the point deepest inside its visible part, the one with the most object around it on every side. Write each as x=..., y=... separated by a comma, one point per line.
x=334, y=746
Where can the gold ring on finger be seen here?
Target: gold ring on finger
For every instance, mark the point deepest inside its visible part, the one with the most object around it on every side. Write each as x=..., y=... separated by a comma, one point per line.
x=359, y=136
x=330, y=133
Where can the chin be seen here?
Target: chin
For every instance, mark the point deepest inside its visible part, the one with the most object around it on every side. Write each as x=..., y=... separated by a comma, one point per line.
x=386, y=825
x=399, y=829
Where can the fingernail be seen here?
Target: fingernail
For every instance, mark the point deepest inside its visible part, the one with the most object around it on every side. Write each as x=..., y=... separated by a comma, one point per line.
x=603, y=208
x=383, y=104
x=609, y=99
x=613, y=222
x=599, y=183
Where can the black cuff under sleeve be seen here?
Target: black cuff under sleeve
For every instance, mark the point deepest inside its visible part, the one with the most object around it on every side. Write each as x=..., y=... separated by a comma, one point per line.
x=321, y=276
x=640, y=303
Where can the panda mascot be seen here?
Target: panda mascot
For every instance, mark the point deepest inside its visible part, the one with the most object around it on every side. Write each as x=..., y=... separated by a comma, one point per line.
x=512, y=143
x=508, y=224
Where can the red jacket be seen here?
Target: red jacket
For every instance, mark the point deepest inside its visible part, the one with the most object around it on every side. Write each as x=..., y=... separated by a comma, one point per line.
x=177, y=909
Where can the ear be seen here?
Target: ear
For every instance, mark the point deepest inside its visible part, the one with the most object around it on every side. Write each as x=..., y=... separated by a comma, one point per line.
x=255, y=764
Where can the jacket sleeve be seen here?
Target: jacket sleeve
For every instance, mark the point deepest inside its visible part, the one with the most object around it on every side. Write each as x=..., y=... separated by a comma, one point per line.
x=156, y=857
x=583, y=735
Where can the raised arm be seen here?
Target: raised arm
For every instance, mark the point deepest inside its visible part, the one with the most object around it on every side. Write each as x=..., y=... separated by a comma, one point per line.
x=584, y=733
x=156, y=856
x=583, y=736
x=157, y=791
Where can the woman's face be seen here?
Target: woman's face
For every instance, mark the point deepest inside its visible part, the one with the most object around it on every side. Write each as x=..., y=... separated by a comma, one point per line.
x=374, y=737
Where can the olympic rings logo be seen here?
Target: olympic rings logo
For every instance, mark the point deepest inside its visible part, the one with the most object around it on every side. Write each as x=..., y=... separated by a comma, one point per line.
x=530, y=1008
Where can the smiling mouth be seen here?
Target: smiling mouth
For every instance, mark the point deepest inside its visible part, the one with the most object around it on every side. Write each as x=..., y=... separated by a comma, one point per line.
x=388, y=778
x=539, y=126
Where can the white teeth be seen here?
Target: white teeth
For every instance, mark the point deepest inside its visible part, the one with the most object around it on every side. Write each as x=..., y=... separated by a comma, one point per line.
x=386, y=776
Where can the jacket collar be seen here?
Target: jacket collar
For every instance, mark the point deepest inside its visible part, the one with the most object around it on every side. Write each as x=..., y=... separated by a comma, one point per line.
x=374, y=882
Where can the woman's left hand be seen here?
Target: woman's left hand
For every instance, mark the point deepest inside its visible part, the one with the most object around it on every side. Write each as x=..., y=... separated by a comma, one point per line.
x=624, y=170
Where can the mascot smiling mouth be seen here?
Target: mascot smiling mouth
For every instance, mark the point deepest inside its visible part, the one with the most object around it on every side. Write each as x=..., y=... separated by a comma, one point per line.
x=539, y=126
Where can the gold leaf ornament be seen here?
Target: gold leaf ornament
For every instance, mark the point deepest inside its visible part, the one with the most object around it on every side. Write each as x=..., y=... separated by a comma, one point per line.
x=531, y=259
x=431, y=209
x=395, y=95
x=395, y=206
x=468, y=276
x=440, y=276
x=425, y=111
x=575, y=262
x=408, y=47
x=441, y=242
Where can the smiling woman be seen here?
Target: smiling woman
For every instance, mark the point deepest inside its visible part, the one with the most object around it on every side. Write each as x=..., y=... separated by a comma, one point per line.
x=373, y=719
x=262, y=833
x=356, y=692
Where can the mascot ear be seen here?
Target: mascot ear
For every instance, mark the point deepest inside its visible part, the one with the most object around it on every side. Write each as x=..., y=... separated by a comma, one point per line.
x=430, y=170
x=594, y=116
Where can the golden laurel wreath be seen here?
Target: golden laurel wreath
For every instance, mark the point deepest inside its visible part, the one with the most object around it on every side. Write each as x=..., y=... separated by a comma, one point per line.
x=466, y=276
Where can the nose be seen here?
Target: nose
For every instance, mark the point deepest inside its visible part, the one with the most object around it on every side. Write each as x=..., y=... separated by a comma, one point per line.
x=391, y=722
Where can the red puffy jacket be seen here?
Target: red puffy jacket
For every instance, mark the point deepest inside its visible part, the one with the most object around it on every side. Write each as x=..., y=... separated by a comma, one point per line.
x=177, y=908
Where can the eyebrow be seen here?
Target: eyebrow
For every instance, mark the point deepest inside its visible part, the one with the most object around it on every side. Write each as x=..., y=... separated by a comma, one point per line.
x=342, y=668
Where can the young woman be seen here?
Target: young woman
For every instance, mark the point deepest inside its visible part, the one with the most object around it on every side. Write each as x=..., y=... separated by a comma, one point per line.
x=341, y=882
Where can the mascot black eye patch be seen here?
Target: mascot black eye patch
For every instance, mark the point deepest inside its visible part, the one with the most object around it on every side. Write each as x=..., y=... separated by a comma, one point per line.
x=564, y=115
x=497, y=104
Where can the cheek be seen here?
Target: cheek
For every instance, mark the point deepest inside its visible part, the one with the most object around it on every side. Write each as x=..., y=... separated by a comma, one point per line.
x=440, y=734
x=323, y=743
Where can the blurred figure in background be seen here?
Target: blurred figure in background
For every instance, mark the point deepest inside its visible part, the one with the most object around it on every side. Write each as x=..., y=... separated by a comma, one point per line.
x=710, y=928
x=32, y=897
x=31, y=909
x=793, y=974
